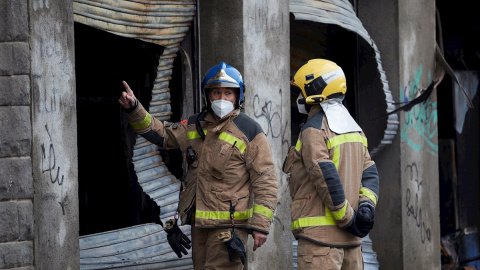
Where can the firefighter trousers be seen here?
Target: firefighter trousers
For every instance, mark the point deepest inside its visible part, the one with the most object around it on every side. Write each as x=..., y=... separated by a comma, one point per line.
x=209, y=252
x=314, y=256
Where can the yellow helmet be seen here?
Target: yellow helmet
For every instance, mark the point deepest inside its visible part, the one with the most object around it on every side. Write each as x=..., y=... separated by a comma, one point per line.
x=319, y=80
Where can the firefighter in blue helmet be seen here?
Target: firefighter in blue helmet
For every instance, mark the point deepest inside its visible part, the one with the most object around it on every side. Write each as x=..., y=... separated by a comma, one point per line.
x=333, y=182
x=230, y=190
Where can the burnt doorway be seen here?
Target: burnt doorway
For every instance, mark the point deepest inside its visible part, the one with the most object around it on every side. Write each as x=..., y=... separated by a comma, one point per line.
x=109, y=194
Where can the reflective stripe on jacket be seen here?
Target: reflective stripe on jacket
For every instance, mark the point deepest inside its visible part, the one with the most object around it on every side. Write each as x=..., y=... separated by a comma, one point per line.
x=232, y=166
x=329, y=174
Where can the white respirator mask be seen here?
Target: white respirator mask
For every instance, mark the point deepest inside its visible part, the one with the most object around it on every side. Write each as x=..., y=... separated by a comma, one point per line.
x=221, y=107
x=301, y=107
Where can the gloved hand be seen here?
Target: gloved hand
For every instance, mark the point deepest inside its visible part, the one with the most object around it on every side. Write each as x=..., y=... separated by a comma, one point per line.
x=365, y=216
x=354, y=229
x=235, y=245
x=177, y=240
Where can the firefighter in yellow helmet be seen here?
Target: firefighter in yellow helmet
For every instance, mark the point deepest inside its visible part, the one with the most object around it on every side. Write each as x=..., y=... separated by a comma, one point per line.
x=333, y=182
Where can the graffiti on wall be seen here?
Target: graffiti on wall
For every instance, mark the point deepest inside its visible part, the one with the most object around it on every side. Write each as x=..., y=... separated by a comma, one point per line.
x=262, y=19
x=49, y=100
x=50, y=167
x=276, y=127
x=413, y=204
x=52, y=68
x=420, y=125
x=40, y=4
x=52, y=71
x=53, y=127
x=49, y=162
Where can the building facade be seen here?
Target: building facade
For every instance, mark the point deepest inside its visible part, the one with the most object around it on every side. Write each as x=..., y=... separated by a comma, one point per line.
x=74, y=178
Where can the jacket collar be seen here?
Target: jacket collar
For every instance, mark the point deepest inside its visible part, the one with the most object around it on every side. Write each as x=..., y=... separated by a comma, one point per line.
x=220, y=123
x=314, y=110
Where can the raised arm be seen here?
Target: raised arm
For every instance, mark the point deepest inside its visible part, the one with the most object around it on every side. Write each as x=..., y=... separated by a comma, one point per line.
x=164, y=134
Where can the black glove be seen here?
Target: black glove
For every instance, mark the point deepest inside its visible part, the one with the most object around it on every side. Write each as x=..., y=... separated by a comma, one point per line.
x=177, y=240
x=354, y=229
x=365, y=216
x=236, y=245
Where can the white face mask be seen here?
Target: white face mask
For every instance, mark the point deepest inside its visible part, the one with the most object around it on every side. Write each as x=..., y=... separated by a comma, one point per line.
x=301, y=107
x=222, y=107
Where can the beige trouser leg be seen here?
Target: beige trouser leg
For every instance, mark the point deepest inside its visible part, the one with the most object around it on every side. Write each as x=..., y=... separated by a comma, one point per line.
x=314, y=256
x=209, y=252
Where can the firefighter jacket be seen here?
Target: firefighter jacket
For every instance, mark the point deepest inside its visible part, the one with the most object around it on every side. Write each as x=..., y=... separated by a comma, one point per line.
x=232, y=168
x=329, y=174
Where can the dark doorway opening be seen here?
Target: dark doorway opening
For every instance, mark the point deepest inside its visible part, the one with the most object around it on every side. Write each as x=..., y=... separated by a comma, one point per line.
x=309, y=40
x=109, y=194
x=458, y=133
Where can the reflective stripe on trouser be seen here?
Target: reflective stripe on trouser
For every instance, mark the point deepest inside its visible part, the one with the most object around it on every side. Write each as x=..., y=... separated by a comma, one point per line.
x=314, y=256
x=209, y=252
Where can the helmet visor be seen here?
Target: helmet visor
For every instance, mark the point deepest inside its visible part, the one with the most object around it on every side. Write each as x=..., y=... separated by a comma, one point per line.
x=222, y=84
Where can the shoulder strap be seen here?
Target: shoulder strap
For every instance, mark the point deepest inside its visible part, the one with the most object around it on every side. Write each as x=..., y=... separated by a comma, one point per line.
x=197, y=123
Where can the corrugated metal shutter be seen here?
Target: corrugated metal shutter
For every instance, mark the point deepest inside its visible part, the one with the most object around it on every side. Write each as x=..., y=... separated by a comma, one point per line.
x=156, y=21
x=164, y=23
x=139, y=247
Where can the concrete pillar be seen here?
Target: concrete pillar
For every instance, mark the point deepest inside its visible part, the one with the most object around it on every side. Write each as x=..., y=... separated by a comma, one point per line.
x=251, y=35
x=407, y=227
x=267, y=71
x=419, y=137
x=54, y=133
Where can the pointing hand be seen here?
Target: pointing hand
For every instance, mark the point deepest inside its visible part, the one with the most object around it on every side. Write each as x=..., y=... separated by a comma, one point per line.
x=128, y=99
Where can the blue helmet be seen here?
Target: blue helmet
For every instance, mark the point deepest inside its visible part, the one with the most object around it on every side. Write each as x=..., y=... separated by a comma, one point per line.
x=223, y=75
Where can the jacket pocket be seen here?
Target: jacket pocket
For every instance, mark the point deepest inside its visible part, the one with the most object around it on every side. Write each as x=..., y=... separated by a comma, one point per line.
x=186, y=203
x=312, y=249
x=221, y=160
x=236, y=197
x=297, y=207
